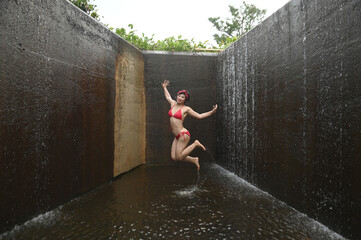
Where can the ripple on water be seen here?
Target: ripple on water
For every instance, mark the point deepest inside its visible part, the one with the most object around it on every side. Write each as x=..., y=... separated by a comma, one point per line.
x=172, y=203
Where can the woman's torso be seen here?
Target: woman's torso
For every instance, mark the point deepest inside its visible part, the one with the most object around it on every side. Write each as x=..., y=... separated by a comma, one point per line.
x=177, y=115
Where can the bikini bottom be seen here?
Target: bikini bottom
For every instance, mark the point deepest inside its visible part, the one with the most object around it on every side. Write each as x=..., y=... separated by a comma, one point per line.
x=183, y=133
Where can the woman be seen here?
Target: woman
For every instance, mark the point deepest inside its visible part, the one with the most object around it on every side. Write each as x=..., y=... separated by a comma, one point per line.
x=177, y=114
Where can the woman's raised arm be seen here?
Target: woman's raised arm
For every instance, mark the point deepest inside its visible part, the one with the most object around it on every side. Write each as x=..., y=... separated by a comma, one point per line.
x=166, y=93
x=194, y=114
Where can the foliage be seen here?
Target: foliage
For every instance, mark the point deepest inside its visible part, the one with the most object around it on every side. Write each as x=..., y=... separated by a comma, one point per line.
x=169, y=44
x=86, y=7
x=243, y=19
x=143, y=42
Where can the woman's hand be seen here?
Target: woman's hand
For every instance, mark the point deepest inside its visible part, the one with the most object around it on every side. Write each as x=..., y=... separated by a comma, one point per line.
x=214, y=108
x=165, y=83
x=166, y=93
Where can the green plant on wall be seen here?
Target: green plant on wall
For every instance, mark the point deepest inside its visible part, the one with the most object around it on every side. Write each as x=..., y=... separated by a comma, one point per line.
x=243, y=19
x=87, y=7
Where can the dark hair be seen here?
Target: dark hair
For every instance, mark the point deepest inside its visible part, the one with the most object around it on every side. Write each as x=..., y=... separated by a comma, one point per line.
x=186, y=93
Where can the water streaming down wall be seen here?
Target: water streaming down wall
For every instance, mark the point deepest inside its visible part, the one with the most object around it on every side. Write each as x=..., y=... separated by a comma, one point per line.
x=66, y=86
x=290, y=109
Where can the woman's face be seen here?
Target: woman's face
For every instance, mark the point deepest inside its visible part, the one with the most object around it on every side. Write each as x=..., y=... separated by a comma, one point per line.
x=181, y=98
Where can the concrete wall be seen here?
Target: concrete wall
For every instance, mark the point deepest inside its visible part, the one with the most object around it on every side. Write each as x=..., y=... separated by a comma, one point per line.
x=290, y=114
x=73, y=107
x=130, y=111
x=66, y=86
x=194, y=72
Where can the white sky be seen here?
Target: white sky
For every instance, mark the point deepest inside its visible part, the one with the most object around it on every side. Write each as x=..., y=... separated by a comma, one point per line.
x=166, y=18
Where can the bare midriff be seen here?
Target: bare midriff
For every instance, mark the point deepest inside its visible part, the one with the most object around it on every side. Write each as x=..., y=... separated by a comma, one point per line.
x=176, y=125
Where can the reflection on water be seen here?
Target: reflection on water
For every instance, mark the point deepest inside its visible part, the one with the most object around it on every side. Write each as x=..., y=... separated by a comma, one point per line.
x=174, y=202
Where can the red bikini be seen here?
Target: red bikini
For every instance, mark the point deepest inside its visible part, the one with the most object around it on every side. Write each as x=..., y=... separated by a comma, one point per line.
x=183, y=133
x=179, y=116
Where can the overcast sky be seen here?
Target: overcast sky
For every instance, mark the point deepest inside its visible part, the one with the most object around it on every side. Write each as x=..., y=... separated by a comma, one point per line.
x=166, y=18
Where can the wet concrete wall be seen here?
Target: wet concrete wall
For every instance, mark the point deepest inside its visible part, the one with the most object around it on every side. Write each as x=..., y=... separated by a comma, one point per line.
x=290, y=109
x=191, y=71
x=63, y=79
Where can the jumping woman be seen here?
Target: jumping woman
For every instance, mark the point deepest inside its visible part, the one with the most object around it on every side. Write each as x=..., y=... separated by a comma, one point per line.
x=177, y=114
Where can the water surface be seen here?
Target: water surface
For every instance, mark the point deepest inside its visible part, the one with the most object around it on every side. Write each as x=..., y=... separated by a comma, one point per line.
x=174, y=202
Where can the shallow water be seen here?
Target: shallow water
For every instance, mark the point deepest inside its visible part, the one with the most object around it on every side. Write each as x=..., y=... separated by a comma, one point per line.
x=174, y=202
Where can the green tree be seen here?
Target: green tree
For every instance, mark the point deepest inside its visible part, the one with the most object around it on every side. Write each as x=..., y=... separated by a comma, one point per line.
x=86, y=7
x=243, y=19
x=143, y=42
x=168, y=44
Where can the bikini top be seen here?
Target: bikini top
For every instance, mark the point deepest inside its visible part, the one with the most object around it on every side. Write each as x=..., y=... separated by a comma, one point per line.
x=178, y=114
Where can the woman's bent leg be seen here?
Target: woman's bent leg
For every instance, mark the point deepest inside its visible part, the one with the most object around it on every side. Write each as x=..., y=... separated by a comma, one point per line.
x=194, y=160
x=180, y=146
x=191, y=147
x=182, y=152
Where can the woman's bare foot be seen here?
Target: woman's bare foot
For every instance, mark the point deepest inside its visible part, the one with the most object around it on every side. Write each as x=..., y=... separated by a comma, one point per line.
x=196, y=162
x=198, y=144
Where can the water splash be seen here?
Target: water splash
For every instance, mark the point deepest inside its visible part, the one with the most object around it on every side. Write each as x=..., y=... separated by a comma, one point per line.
x=190, y=192
x=49, y=219
x=213, y=159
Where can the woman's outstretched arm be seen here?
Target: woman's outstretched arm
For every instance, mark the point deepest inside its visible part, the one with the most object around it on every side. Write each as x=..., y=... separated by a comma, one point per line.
x=166, y=93
x=194, y=114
